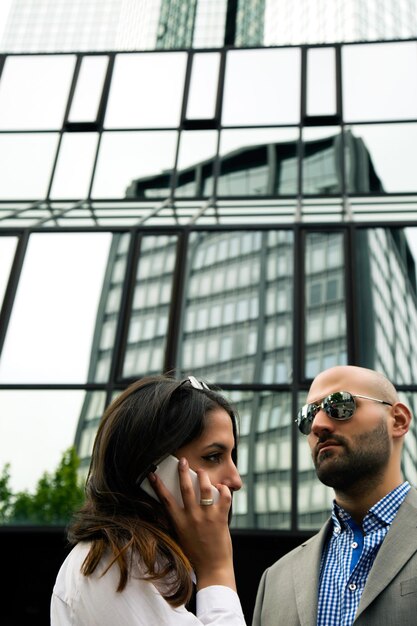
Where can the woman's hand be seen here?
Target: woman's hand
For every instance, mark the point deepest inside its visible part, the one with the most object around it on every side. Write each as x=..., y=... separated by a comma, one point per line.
x=203, y=530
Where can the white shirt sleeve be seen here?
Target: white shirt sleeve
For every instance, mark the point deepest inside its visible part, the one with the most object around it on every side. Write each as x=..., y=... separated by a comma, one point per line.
x=211, y=603
x=79, y=600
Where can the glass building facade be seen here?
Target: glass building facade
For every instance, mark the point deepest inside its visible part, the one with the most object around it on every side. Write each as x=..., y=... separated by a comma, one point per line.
x=247, y=215
x=103, y=25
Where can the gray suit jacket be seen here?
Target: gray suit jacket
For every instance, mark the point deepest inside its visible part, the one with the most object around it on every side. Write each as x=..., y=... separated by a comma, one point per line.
x=288, y=591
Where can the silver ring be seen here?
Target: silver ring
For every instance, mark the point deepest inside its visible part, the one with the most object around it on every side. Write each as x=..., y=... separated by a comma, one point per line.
x=206, y=501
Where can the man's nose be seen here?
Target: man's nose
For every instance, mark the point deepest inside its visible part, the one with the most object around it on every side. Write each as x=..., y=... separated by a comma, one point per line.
x=322, y=422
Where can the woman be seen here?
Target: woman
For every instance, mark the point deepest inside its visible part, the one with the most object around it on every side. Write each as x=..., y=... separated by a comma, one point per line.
x=135, y=557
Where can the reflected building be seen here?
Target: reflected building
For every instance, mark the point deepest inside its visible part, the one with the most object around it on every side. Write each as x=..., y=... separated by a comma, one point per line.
x=390, y=273
x=237, y=324
x=272, y=170
x=241, y=247
x=385, y=300
x=64, y=25
x=315, y=21
x=250, y=22
x=54, y=25
x=236, y=319
x=57, y=25
x=176, y=24
x=68, y=25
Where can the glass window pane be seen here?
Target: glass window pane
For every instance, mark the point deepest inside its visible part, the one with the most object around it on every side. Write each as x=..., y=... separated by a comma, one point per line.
x=135, y=164
x=278, y=324
x=50, y=334
x=314, y=498
x=262, y=87
x=203, y=86
x=265, y=463
x=215, y=350
x=88, y=420
x=87, y=95
x=258, y=162
x=7, y=250
x=36, y=427
x=321, y=81
x=368, y=93
x=196, y=156
x=409, y=456
x=221, y=337
x=321, y=163
x=209, y=25
x=26, y=162
x=108, y=310
x=146, y=90
x=387, y=311
x=325, y=313
x=72, y=176
x=34, y=91
x=380, y=158
x=146, y=341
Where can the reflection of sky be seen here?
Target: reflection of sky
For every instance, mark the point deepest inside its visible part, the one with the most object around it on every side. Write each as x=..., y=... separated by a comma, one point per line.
x=49, y=77
x=261, y=87
x=154, y=85
x=4, y=13
x=392, y=149
x=49, y=341
x=125, y=156
x=368, y=95
x=51, y=329
x=254, y=87
x=36, y=428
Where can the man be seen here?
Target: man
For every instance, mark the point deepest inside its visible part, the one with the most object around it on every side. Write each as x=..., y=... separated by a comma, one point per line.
x=361, y=568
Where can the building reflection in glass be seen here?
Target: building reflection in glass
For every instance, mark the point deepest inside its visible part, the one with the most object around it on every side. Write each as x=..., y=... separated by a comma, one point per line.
x=385, y=303
x=325, y=338
x=236, y=327
x=236, y=322
x=270, y=169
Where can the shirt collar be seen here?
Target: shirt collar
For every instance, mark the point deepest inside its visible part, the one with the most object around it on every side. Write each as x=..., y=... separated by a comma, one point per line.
x=380, y=514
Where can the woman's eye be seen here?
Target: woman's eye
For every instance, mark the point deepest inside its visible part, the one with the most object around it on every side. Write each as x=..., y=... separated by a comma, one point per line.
x=213, y=458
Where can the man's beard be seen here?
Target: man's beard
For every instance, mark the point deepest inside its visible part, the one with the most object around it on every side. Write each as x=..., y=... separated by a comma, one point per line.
x=362, y=459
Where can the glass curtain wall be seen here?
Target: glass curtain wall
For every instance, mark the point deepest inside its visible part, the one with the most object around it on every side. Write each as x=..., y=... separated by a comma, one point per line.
x=245, y=233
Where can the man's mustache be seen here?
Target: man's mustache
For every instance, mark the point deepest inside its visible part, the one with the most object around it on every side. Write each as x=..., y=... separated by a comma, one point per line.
x=327, y=438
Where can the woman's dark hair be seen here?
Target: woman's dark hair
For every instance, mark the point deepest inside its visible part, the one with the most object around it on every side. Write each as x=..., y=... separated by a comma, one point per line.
x=151, y=419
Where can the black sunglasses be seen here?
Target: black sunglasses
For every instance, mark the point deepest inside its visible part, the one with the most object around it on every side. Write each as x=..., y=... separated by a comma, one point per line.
x=339, y=405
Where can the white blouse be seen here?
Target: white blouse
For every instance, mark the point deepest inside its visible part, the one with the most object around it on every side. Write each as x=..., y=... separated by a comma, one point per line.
x=79, y=600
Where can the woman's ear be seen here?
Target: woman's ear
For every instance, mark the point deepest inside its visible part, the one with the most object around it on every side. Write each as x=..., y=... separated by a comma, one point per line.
x=402, y=419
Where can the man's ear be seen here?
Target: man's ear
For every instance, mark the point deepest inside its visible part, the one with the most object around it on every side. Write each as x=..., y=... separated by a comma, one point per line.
x=402, y=419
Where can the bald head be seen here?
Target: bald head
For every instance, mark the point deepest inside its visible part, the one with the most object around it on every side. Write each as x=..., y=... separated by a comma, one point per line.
x=357, y=380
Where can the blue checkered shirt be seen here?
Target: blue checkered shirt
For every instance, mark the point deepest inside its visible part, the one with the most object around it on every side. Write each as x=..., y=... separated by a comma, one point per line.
x=349, y=555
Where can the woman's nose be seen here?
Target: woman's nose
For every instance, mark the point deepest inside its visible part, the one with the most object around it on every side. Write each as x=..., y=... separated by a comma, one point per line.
x=234, y=481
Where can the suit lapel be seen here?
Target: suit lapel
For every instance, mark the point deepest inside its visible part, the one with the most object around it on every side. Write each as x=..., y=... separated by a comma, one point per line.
x=397, y=548
x=306, y=572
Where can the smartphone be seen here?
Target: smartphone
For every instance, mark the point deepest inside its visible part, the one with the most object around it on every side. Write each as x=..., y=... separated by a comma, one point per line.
x=167, y=470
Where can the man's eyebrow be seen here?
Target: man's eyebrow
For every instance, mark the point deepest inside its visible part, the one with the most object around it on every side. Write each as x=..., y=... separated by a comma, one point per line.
x=316, y=401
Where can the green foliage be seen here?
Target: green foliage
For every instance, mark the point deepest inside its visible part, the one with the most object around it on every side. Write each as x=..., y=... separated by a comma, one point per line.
x=56, y=497
x=6, y=495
